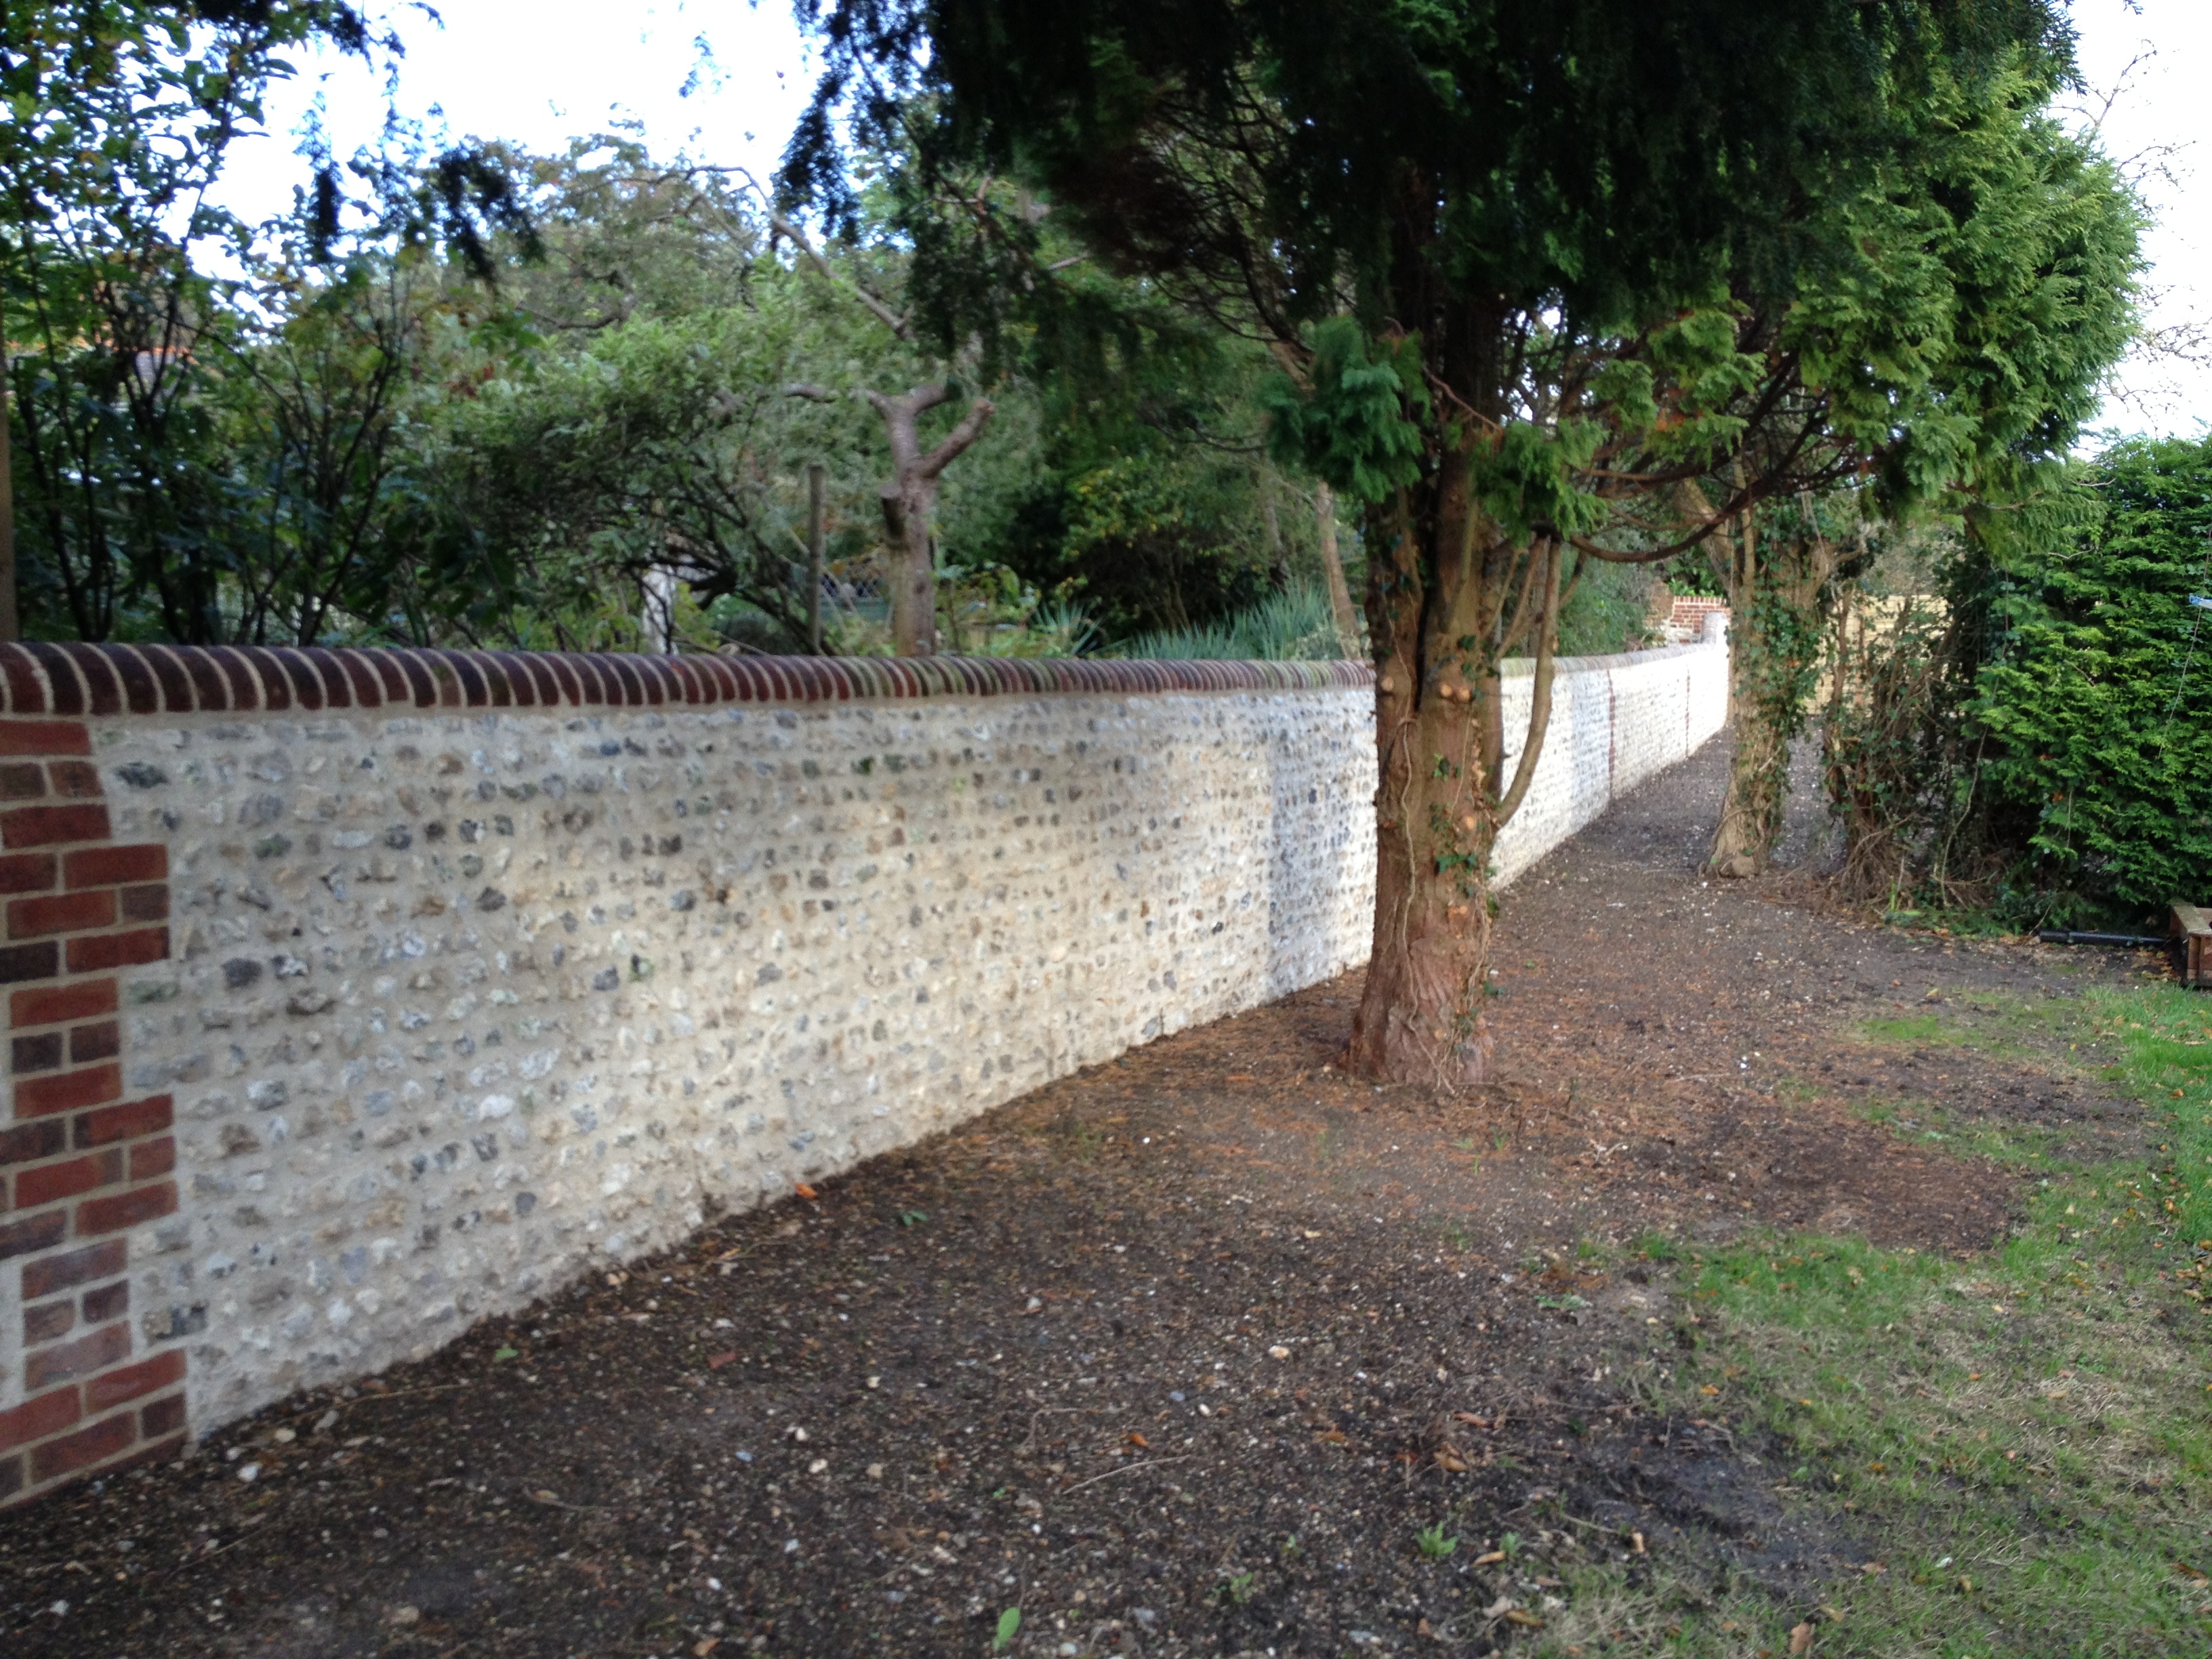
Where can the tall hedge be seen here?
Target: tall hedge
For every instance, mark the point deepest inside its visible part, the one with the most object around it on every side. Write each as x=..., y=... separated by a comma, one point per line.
x=2097, y=694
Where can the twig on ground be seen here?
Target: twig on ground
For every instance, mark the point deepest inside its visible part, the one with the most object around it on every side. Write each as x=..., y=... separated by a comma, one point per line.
x=1149, y=1463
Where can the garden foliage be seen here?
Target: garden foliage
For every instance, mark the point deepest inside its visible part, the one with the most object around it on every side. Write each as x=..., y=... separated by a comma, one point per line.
x=2097, y=696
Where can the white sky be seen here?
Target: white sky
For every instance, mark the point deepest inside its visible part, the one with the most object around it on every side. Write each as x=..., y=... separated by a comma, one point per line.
x=2160, y=127
x=539, y=72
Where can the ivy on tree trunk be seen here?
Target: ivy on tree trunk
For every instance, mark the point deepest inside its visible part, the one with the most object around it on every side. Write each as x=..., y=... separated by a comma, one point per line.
x=1776, y=585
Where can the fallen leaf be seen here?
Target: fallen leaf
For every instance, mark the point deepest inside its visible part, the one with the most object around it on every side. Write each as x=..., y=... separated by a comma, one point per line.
x=700, y=1651
x=1801, y=1639
x=1637, y=1538
x=1138, y=1441
x=803, y=1190
x=1873, y=1567
x=1331, y=1437
x=545, y=1496
x=1707, y=1388
x=1449, y=1460
x=1469, y=1417
x=1279, y=1352
x=507, y=1353
x=715, y=1362
x=1522, y=1616
x=1490, y=1560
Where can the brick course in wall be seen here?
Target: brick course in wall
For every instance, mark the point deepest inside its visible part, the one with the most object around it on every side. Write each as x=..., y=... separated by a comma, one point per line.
x=81, y=1165
x=358, y=994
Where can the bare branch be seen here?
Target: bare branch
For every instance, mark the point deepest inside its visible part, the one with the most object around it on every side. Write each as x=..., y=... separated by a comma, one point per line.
x=1539, y=705
x=780, y=225
x=971, y=429
x=920, y=400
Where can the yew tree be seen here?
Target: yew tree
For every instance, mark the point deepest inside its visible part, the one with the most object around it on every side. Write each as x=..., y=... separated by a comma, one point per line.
x=1539, y=273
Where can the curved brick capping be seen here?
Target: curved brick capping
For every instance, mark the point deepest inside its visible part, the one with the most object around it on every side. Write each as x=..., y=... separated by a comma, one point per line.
x=41, y=679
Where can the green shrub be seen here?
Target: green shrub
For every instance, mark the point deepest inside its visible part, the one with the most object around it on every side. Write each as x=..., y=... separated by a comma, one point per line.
x=1292, y=626
x=1606, y=611
x=2097, y=692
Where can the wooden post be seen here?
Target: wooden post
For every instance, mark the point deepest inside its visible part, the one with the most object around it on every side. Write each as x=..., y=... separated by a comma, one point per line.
x=1332, y=568
x=9, y=625
x=2192, y=930
x=814, y=558
x=1278, y=553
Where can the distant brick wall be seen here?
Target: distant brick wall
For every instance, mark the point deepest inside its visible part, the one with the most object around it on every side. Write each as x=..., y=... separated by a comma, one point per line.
x=1681, y=618
x=81, y=1166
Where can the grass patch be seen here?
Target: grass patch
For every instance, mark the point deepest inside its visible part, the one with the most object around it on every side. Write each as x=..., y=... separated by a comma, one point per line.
x=2026, y=1436
x=2028, y=1148
x=1951, y=1031
x=1911, y=1028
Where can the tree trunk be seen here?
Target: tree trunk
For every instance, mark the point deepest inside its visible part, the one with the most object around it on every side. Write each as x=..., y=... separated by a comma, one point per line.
x=1440, y=736
x=1774, y=647
x=1332, y=570
x=1420, y=1015
x=910, y=500
x=1759, y=773
x=908, y=504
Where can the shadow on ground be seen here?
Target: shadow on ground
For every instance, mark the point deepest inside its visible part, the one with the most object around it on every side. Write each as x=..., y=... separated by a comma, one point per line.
x=1176, y=1356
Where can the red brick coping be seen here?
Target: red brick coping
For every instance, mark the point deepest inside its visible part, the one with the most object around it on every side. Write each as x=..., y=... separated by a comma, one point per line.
x=82, y=1167
x=39, y=678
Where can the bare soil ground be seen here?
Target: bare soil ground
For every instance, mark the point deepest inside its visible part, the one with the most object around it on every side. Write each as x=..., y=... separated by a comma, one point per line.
x=1177, y=1356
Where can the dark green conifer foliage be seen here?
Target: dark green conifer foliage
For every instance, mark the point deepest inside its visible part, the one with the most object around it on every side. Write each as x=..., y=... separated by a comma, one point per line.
x=2099, y=694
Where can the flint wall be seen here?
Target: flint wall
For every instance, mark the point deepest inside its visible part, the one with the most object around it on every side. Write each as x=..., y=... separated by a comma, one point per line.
x=355, y=995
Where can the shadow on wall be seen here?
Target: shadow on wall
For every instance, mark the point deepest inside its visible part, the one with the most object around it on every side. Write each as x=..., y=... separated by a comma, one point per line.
x=1321, y=855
